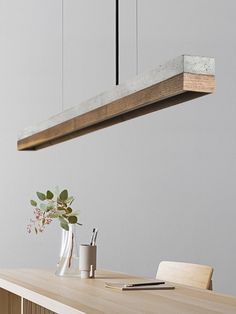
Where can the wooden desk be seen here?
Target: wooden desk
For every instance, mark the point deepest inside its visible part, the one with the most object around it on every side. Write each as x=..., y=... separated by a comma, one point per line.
x=38, y=291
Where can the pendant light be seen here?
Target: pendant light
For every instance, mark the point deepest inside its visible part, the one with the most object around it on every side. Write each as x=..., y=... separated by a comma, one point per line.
x=179, y=80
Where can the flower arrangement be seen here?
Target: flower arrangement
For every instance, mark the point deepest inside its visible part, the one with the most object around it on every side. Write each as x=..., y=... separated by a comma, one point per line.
x=52, y=206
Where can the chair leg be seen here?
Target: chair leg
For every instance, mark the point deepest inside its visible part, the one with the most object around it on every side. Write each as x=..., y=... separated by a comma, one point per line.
x=210, y=286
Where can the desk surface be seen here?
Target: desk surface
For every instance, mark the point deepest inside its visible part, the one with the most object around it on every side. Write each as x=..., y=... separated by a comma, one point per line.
x=73, y=295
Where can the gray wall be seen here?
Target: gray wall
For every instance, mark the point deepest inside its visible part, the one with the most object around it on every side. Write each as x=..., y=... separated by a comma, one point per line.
x=158, y=187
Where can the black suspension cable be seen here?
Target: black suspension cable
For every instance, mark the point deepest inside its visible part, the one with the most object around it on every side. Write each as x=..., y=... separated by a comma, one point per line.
x=117, y=42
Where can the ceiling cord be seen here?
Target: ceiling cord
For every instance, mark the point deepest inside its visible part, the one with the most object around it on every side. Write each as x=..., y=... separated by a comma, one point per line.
x=117, y=43
x=136, y=38
x=62, y=55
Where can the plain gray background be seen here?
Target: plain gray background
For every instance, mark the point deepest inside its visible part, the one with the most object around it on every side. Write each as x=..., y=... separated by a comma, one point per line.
x=160, y=187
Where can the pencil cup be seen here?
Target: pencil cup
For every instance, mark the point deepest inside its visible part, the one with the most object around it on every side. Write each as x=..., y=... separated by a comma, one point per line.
x=87, y=261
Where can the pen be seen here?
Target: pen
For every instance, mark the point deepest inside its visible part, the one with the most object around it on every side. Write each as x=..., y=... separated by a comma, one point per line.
x=92, y=238
x=145, y=284
x=95, y=237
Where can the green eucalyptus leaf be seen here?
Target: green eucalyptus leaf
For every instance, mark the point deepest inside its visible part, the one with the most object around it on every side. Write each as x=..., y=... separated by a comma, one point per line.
x=49, y=195
x=64, y=195
x=43, y=207
x=69, y=210
x=65, y=226
x=64, y=223
x=53, y=215
x=41, y=196
x=60, y=208
x=49, y=207
x=72, y=219
x=33, y=203
x=62, y=219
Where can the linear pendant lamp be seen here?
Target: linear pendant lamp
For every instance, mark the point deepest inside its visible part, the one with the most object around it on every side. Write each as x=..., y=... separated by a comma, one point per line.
x=179, y=80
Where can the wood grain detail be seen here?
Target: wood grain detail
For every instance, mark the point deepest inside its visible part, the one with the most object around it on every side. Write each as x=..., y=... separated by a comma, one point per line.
x=199, y=83
x=194, y=275
x=77, y=296
x=178, y=89
x=32, y=308
x=10, y=303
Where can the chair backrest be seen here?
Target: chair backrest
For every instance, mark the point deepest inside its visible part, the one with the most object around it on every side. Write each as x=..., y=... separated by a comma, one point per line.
x=194, y=275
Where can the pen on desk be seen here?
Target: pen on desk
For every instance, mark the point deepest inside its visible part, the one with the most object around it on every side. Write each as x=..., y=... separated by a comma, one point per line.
x=145, y=284
x=92, y=238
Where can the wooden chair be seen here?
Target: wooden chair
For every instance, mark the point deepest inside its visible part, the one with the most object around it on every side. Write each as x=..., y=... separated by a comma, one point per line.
x=198, y=276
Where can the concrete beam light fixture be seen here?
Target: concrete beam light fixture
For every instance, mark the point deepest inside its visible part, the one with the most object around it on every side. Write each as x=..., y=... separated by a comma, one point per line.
x=179, y=80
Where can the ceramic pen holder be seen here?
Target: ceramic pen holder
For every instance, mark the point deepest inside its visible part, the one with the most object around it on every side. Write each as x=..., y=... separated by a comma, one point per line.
x=88, y=260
